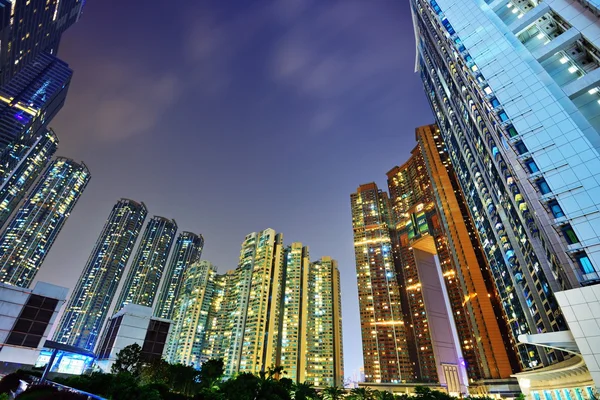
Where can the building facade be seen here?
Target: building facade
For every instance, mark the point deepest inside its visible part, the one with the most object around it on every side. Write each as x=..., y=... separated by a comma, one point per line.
x=36, y=155
x=133, y=324
x=265, y=285
x=513, y=87
x=384, y=332
x=275, y=309
x=187, y=251
x=291, y=313
x=475, y=303
x=30, y=101
x=27, y=316
x=191, y=314
x=90, y=302
x=30, y=233
x=31, y=27
x=324, y=359
x=146, y=270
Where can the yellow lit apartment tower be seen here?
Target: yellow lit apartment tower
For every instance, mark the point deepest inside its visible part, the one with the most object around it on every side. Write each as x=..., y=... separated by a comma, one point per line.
x=385, y=350
x=482, y=308
x=324, y=355
x=277, y=309
x=190, y=314
x=290, y=336
x=265, y=284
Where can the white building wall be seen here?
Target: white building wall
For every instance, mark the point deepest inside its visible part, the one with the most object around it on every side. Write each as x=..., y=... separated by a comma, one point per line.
x=581, y=309
x=12, y=301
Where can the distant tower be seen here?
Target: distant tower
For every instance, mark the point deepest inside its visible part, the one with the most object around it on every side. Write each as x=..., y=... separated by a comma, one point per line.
x=149, y=263
x=293, y=313
x=264, y=285
x=14, y=187
x=187, y=250
x=90, y=302
x=29, y=235
x=324, y=360
x=190, y=314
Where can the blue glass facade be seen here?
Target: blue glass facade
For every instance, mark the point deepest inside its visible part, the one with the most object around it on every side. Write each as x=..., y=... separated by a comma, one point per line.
x=187, y=251
x=31, y=27
x=514, y=87
x=30, y=233
x=90, y=302
x=30, y=100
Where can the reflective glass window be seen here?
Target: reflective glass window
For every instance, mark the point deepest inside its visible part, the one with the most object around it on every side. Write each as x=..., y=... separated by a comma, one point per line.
x=569, y=234
x=584, y=263
x=532, y=166
x=521, y=148
x=555, y=209
x=543, y=186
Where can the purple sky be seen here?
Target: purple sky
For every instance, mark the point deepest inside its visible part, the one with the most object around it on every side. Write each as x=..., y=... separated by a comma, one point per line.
x=231, y=119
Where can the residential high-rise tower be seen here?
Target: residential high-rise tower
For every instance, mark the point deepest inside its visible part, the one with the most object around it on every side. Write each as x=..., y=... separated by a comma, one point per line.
x=324, y=360
x=384, y=336
x=36, y=156
x=478, y=314
x=147, y=268
x=191, y=314
x=29, y=235
x=90, y=302
x=187, y=250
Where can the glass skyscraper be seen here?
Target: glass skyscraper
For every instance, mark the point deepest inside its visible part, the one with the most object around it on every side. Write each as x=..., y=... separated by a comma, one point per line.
x=30, y=100
x=90, y=302
x=514, y=87
x=31, y=27
x=30, y=233
x=187, y=251
x=35, y=157
x=146, y=270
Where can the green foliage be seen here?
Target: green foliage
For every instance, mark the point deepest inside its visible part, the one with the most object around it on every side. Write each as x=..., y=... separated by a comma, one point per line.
x=362, y=393
x=129, y=359
x=4, y=396
x=333, y=393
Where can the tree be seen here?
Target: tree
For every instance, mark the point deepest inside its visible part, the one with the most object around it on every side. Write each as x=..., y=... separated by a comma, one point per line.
x=361, y=393
x=305, y=391
x=211, y=373
x=129, y=359
x=333, y=393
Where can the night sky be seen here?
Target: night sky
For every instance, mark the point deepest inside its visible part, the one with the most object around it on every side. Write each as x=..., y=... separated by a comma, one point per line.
x=234, y=116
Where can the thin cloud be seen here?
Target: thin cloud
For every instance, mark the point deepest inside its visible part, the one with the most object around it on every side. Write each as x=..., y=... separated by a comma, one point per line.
x=334, y=53
x=127, y=100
